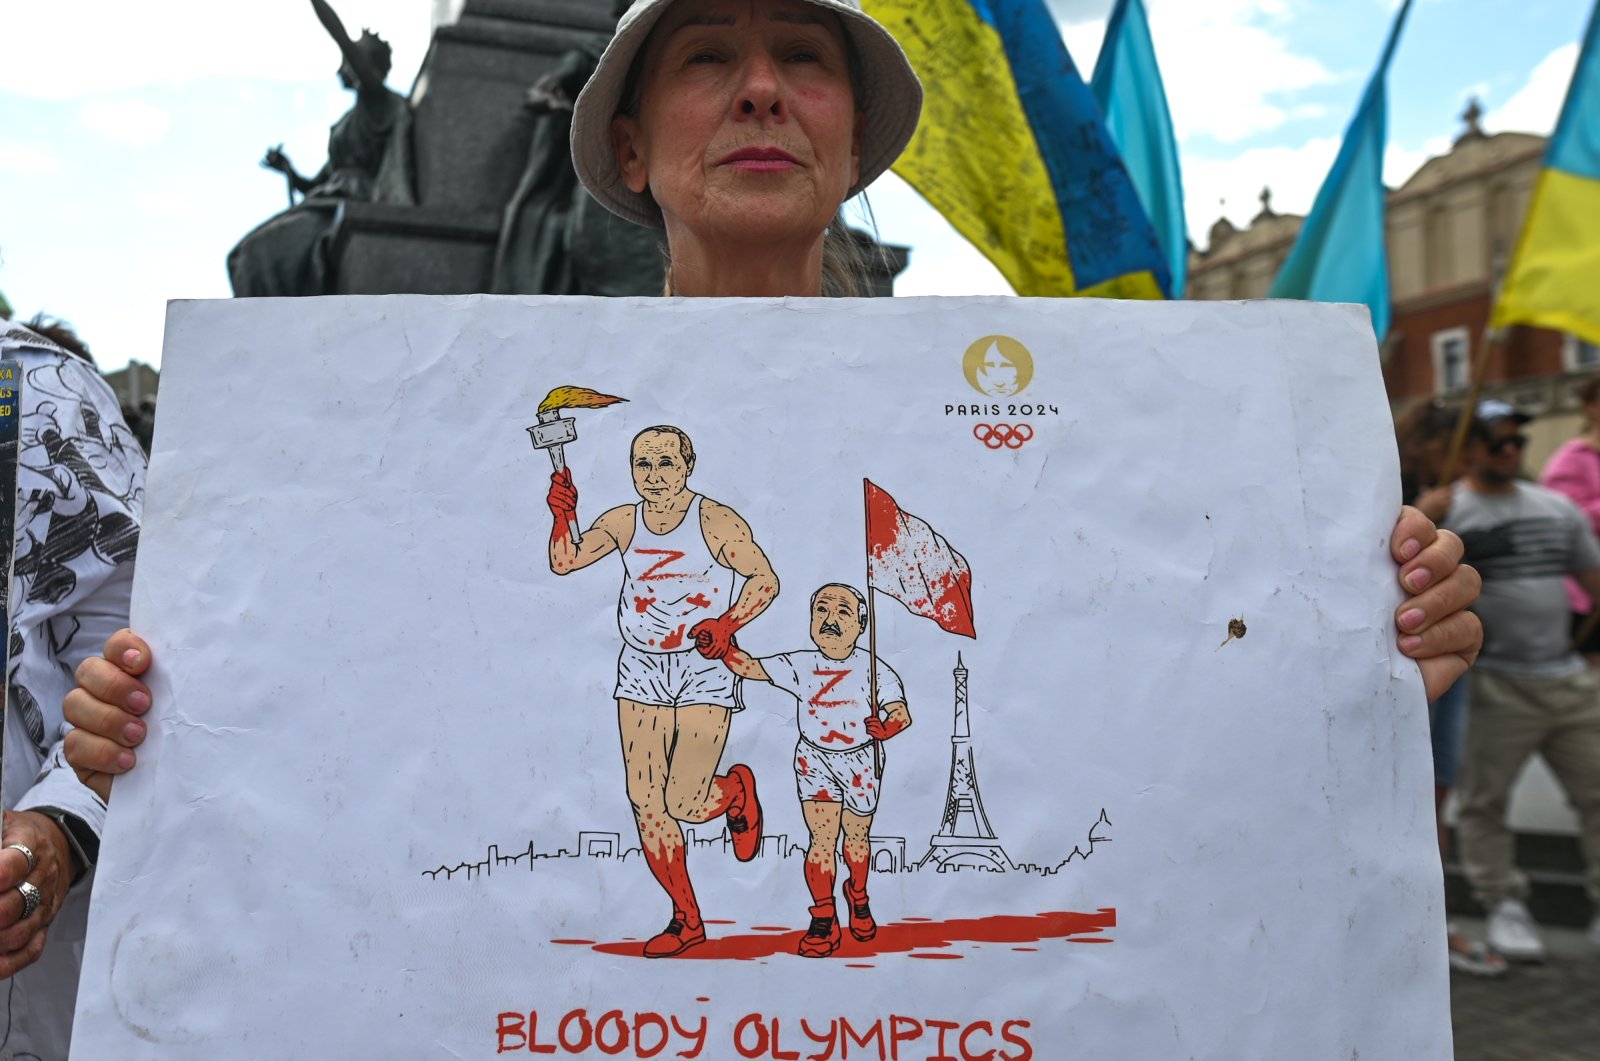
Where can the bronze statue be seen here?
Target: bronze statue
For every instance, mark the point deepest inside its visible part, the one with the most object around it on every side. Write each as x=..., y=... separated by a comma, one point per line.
x=369, y=158
x=555, y=239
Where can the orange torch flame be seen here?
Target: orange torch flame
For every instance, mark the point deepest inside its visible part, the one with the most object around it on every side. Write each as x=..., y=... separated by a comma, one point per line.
x=577, y=398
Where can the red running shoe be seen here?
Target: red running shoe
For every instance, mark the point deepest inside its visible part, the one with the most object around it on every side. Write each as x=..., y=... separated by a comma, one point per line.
x=674, y=939
x=744, y=815
x=823, y=937
x=862, y=927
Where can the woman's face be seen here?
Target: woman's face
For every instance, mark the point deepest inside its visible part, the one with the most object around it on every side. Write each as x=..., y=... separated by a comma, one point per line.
x=746, y=128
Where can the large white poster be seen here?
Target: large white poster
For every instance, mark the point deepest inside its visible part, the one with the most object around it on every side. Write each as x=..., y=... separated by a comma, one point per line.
x=438, y=771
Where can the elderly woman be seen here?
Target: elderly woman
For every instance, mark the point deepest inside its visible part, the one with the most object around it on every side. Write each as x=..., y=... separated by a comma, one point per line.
x=740, y=127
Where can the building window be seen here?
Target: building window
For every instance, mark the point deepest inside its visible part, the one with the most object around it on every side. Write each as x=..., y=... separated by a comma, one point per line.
x=1577, y=355
x=1452, y=360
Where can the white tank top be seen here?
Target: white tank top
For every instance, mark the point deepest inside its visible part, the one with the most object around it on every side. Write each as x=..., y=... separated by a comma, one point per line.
x=672, y=582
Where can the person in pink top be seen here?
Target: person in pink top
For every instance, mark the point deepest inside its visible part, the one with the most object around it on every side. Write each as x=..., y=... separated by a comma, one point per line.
x=1574, y=471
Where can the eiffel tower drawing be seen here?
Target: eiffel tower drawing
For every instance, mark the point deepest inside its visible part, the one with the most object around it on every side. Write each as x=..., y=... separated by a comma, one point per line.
x=965, y=838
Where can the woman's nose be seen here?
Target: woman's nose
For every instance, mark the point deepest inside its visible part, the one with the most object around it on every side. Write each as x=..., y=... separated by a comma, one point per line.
x=760, y=95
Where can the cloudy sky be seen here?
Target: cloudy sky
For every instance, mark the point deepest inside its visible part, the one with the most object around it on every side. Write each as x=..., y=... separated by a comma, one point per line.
x=131, y=132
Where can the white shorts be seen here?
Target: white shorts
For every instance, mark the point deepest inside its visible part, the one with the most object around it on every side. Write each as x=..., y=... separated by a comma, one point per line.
x=847, y=777
x=675, y=679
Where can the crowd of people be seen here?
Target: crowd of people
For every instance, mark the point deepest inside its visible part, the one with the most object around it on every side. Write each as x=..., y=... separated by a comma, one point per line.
x=738, y=130
x=1534, y=688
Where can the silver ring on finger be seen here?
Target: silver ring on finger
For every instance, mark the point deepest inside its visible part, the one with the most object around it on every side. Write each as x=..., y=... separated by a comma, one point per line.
x=30, y=899
x=27, y=853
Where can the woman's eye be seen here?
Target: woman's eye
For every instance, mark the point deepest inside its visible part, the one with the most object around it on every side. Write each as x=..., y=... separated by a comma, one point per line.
x=705, y=57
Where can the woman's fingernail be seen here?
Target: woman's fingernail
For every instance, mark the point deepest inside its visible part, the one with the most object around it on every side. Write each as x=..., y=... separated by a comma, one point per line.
x=138, y=700
x=133, y=732
x=1410, y=620
x=1411, y=548
x=125, y=761
x=1410, y=643
x=1418, y=580
x=130, y=658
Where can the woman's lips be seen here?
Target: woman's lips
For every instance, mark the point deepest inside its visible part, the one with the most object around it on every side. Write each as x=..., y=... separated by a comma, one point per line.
x=760, y=160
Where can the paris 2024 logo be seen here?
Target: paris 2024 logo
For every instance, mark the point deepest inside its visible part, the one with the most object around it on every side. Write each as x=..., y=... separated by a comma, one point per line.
x=1000, y=367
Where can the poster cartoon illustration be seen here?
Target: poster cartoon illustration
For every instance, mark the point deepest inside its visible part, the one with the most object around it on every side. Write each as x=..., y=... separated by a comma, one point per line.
x=677, y=612
x=847, y=704
x=848, y=680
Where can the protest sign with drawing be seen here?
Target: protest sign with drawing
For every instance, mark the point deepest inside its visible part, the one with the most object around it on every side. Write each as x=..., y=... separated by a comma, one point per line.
x=422, y=783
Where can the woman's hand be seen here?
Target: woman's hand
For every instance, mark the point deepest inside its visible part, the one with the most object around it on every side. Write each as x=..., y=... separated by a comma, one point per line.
x=22, y=938
x=1436, y=630
x=106, y=708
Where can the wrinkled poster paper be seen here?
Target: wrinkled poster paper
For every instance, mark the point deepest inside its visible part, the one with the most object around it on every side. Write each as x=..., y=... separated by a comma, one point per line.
x=1165, y=789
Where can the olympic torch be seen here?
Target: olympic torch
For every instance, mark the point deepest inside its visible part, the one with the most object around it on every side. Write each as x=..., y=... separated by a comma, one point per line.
x=554, y=431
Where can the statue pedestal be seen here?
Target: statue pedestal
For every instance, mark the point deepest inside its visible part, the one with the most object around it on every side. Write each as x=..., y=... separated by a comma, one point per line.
x=471, y=129
x=420, y=250
x=470, y=136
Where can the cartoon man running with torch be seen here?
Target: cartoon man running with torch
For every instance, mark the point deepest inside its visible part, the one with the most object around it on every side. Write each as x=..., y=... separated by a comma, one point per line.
x=680, y=555
x=838, y=760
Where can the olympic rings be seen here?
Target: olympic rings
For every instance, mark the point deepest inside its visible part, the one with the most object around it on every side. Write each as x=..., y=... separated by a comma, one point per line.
x=1008, y=436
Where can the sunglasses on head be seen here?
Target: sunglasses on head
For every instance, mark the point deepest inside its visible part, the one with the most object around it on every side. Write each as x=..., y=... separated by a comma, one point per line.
x=1500, y=445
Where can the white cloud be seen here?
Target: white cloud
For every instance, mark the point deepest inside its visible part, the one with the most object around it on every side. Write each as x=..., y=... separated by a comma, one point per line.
x=1537, y=105
x=942, y=261
x=25, y=158
x=1227, y=66
x=1230, y=187
x=165, y=204
x=126, y=121
x=122, y=46
x=1295, y=175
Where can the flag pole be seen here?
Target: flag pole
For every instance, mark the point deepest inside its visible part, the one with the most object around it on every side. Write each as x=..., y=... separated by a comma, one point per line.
x=1458, y=440
x=1493, y=338
x=872, y=634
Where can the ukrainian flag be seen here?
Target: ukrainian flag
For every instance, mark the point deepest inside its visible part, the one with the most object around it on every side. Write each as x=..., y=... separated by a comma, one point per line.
x=1127, y=85
x=1339, y=255
x=1013, y=152
x=1554, y=279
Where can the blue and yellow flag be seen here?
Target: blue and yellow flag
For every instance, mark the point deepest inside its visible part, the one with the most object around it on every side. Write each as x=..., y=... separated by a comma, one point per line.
x=1127, y=85
x=1554, y=279
x=1339, y=255
x=1013, y=152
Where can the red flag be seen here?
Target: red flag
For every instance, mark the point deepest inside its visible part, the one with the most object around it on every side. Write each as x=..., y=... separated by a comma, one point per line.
x=914, y=564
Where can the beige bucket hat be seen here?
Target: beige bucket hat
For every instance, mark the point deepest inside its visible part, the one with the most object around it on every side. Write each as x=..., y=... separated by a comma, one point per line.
x=889, y=95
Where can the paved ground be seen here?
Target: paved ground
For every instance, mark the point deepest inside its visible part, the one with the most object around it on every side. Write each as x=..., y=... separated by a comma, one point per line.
x=1548, y=1012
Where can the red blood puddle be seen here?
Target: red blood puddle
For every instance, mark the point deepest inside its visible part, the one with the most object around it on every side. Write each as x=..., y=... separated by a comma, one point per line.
x=859, y=965
x=709, y=921
x=1027, y=950
x=1101, y=939
x=902, y=937
x=940, y=957
x=703, y=998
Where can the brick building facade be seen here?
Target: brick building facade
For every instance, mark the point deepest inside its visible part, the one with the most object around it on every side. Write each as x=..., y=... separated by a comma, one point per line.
x=1451, y=229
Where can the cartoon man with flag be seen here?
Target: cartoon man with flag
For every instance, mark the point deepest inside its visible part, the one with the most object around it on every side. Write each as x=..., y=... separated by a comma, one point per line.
x=681, y=555
x=849, y=703
x=837, y=761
